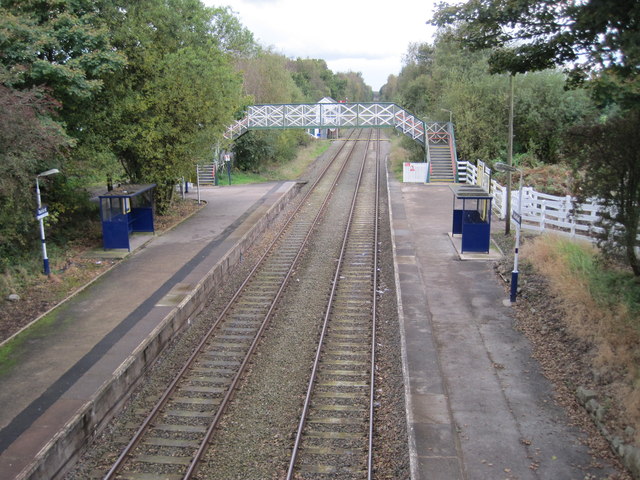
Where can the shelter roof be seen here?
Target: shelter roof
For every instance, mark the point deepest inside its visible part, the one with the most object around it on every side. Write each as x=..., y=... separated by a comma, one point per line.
x=125, y=191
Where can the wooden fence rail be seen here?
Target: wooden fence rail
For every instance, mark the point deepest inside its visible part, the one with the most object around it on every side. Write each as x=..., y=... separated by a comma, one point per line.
x=540, y=211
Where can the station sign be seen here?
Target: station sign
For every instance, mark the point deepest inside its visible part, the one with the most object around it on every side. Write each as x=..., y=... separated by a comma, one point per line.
x=41, y=213
x=516, y=217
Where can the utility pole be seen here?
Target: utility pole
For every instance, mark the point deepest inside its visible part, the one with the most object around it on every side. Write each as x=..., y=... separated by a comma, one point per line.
x=507, y=223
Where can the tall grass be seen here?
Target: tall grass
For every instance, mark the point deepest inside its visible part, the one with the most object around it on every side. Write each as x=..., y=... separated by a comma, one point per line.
x=398, y=156
x=601, y=305
x=609, y=287
x=290, y=170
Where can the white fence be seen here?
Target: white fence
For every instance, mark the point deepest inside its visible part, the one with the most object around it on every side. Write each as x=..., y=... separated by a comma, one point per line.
x=540, y=211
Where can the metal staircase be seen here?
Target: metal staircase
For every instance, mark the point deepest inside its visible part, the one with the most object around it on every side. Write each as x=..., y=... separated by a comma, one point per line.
x=441, y=169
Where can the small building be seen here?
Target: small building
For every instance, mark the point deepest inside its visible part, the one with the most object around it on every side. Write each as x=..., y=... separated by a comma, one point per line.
x=324, y=132
x=125, y=210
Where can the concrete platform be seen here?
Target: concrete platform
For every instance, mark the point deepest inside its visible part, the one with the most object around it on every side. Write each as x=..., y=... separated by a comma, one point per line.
x=95, y=345
x=477, y=404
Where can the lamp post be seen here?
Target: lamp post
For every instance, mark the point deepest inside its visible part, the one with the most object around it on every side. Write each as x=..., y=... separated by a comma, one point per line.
x=507, y=223
x=40, y=214
x=518, y=219
x=450, y=114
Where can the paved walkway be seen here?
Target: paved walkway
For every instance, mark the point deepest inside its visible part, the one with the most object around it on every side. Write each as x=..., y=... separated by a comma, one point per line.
x=59, y=366
x=478, y=407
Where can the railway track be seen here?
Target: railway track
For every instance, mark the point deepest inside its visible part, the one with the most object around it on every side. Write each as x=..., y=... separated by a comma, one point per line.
x=334, y=436
x=172, y=439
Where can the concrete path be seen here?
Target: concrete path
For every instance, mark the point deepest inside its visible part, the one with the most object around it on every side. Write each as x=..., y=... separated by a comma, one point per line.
x=478, y=407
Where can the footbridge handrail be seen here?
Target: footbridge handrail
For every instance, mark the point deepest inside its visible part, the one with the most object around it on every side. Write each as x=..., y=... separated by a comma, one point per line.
x=340, y=115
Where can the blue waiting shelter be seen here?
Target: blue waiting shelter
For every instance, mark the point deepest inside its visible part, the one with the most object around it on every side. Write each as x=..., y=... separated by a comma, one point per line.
x=472, y=217
x=125, y=210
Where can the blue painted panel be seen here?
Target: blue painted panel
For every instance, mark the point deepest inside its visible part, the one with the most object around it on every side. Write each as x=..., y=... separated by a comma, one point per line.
x=457, y=222
x=115, y=234
x=142, y=219
x=475, y=233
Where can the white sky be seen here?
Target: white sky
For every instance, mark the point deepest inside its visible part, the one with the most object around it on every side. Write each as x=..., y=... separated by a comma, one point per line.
x=367, y=36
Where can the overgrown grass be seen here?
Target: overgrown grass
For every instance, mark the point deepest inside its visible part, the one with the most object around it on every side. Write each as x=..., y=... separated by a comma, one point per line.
x=609, y=287
x=26, y=271
x=280, y=171
x=398, y=156
x=19, y=276
x=601, y=305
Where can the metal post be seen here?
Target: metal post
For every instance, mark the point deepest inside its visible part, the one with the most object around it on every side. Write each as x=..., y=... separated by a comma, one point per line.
x=518, y=219
x=40, y=216
x=507, y=223
x=198, y=182
x=45, y=259
x=514, y=273
x=450, y=114
x=227, y=160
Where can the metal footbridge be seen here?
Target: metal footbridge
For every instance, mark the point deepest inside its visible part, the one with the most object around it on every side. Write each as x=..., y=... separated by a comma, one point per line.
x=437, y=138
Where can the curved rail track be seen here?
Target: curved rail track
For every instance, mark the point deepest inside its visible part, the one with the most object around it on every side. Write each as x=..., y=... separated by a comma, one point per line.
x=172, y=439
x=335, y=433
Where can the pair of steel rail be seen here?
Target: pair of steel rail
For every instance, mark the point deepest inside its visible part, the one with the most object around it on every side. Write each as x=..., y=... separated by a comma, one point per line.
x=174, y=436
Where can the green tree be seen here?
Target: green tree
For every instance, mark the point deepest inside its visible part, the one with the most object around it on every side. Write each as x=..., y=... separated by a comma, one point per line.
x=313, y=77
x=54, y=57
x=546, y=111
x=30, y=142
x=597, y=42
x=536, y=35
x=444, y=76
x=607, y=163
x=165, y=111
x=350, y=86
x=388, y=92
x=60, y=44
x=267, y=79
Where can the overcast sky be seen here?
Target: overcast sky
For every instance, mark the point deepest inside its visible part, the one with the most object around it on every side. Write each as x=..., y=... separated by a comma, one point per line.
x=367, y=36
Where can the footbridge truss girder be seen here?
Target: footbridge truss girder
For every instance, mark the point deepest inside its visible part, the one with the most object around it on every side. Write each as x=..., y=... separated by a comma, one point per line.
x=341, y=115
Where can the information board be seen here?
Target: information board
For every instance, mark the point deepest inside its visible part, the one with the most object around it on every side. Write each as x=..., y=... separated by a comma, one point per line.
x=414, y=172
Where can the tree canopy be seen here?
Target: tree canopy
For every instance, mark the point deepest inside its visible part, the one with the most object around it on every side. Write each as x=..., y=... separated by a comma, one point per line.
x=596, y=41
x=444, y=77
x=129, y=91
x=163, y=112
x=591, y=35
